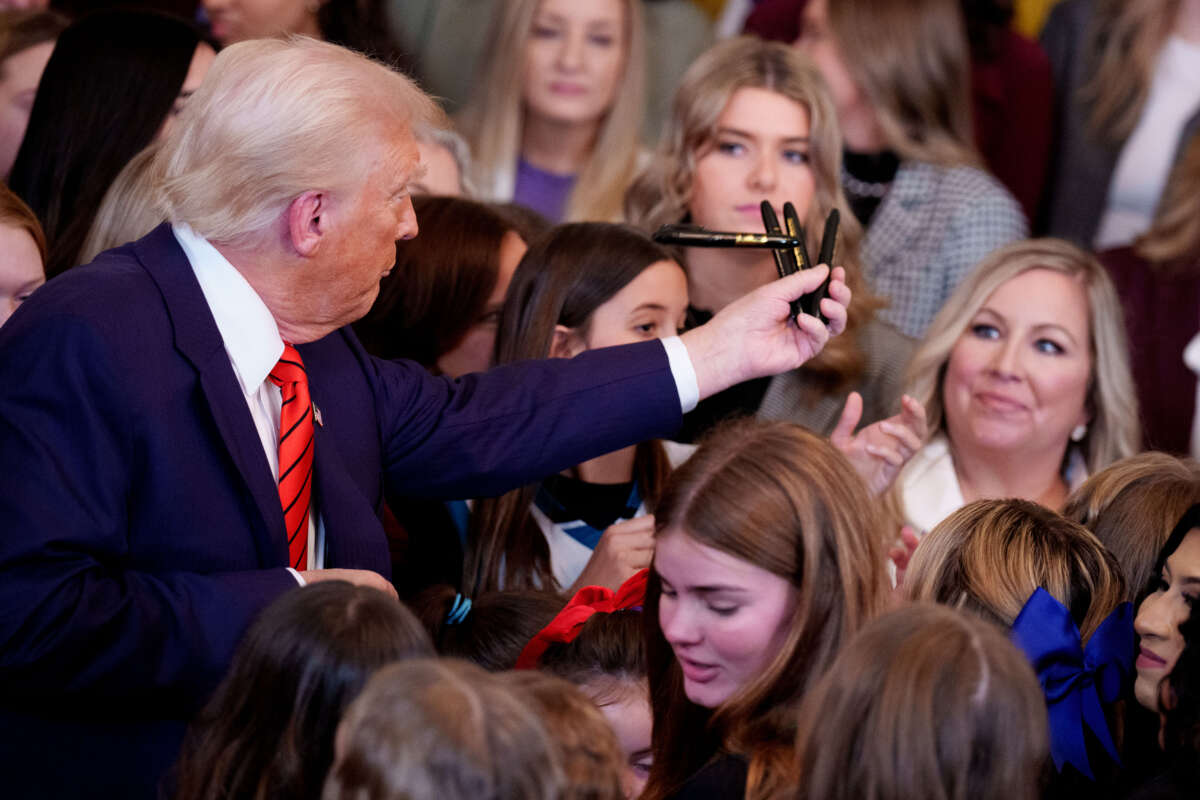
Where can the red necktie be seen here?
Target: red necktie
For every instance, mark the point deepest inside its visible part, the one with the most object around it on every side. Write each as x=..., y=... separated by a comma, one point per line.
x=295, y=452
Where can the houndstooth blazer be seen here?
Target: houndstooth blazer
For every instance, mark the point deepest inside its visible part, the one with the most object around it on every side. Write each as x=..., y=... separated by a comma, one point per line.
x=933, y=226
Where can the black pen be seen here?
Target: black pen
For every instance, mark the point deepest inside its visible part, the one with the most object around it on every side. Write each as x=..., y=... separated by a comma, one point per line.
x=695, y=236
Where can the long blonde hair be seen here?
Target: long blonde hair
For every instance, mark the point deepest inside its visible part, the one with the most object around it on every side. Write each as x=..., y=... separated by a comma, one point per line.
x=911, y=60
x=1114, y=431
x=663, y=190
x=493, y=120
x=1122, y=46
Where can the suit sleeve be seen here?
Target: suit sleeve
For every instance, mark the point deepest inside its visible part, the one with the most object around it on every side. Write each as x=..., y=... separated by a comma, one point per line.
x=88, y=618
x=487, y=433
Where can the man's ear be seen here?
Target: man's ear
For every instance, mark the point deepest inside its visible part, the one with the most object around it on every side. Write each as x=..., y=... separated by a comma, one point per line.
x=306, y=226
x=566, y=343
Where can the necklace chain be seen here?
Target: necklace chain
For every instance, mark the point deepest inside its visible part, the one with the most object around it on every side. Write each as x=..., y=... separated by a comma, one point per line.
x=858, y=188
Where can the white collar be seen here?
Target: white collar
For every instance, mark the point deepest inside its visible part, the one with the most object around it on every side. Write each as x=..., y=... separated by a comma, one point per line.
x=249, y=331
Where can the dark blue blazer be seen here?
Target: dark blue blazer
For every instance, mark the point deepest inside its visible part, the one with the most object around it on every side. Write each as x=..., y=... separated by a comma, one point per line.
x=140, y=527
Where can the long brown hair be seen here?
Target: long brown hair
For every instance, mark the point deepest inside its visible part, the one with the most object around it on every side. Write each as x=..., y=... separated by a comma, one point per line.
x=924, y=702
x=441, y=281
x=1132, y=505
x=1122, y=45
x=917, y=76
x=268, y=730
x=784, y=499
x=562, y=280
x=662, y=191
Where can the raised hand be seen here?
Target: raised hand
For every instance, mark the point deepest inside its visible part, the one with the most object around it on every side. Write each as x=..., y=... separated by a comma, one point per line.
x=624, y=548
x=879, y=451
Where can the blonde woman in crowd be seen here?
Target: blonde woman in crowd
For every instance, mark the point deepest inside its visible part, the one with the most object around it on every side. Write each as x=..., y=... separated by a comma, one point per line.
x=925, y=702
x=555, y=122
x=753, y=121
x=899, y=72
x=1025, y=378
x=1127, y=84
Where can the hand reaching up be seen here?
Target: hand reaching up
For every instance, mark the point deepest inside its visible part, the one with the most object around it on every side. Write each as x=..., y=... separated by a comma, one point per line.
x=880, y=450
x=624, y=548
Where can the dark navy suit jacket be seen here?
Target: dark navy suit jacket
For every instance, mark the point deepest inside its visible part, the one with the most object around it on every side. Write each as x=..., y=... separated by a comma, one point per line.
x=140, y=527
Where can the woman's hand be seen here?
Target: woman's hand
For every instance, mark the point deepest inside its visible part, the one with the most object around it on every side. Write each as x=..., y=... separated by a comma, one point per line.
x=880, y=450
x=624, y=548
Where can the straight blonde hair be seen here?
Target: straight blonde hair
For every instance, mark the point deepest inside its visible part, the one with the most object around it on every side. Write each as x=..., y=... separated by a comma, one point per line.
x=492, y=122
x=663, y=190
x=911, y=60
x=1114, y=431
x=1122, y=48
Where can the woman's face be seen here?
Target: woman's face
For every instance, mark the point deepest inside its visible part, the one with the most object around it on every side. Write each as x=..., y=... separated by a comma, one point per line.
x=1017, y=379
x=627, y=708
x=1160, y=614
x=441, y=176
x=760, y=152
x=574, y=58
x=19, y=76
x=473, y=353
x=21, y=268
x=860, y=125
x=724, y=618
x=651, y=306
x=235, y=20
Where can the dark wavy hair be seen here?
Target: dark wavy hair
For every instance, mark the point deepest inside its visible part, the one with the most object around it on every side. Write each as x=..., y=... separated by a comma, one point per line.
x=1181, y=715
x=269, y=729
x=109, y=85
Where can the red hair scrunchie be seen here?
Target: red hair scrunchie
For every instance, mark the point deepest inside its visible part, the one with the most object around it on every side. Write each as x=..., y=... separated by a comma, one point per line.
x=587, y=601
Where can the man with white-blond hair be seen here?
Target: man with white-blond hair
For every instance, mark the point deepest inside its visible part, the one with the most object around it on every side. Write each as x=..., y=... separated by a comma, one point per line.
x=188, y=428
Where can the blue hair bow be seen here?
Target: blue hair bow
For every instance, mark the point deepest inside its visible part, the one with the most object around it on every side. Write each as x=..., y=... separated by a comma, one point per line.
x=1076, y=681
x=458, y=611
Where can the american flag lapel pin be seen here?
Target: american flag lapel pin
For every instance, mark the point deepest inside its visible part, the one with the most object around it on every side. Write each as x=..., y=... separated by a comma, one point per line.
x=317, y=415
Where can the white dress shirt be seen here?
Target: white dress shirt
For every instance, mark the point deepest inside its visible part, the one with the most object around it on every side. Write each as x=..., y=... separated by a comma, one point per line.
x=254, y=346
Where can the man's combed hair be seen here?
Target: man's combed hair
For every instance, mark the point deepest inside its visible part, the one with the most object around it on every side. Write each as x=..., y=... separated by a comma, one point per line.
x=272, y=120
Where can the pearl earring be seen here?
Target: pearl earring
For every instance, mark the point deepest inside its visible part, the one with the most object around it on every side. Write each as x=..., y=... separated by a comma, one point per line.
x=1078, y=432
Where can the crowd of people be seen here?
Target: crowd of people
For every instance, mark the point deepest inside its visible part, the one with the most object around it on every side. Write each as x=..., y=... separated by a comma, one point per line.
x=359, y=438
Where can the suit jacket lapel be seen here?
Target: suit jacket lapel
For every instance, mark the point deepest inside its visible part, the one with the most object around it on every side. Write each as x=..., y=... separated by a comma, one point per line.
x=199, y=341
